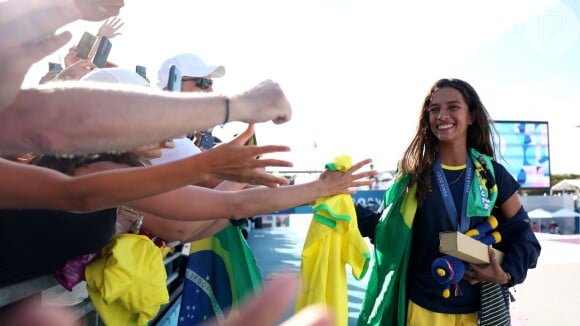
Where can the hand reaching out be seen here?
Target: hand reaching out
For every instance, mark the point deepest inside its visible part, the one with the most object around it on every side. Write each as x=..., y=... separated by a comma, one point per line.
x=48, y=77
x=71, y=57
x=96, y=10
x=338, y=182
x=76, y=71
x=154, y=150
x=278, y=295
x=110, y=27
x=30, y=311
x=235, y=162
x=28, y=33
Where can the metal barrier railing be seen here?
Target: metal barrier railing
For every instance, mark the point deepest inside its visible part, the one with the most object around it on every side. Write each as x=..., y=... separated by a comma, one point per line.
x=15, y=292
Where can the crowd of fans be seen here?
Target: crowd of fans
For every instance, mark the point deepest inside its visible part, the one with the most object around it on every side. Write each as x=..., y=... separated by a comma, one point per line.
x=77, y=173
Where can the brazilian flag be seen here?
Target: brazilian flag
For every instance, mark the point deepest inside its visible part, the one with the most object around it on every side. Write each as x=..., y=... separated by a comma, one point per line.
x=221, y=272
x=385, y=298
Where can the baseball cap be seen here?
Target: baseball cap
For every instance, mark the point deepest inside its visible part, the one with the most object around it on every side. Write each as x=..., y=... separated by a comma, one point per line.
x=115, y=75
x=189, y=65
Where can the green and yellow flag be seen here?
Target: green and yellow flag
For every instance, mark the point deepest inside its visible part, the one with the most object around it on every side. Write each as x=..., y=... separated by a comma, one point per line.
x=221, y=272
x=385, y=298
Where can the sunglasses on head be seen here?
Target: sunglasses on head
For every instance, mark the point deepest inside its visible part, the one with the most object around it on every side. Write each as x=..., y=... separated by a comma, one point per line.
x=203, y=83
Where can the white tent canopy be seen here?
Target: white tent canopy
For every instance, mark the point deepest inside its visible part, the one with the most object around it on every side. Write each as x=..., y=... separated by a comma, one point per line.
x=567, y=185
x=565, y=213
x=540, y=213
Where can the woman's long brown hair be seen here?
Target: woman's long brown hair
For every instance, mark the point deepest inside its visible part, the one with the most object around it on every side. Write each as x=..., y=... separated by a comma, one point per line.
x=419, y=156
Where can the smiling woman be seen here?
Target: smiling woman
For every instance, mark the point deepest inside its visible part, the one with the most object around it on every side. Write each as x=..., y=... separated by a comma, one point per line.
x=448, y=181
x=448, y=115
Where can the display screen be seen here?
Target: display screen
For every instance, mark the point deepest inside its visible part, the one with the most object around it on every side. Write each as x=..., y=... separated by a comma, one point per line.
x=523, y=148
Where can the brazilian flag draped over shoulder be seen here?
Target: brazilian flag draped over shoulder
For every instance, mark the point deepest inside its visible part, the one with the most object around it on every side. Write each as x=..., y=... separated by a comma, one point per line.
x=385, y=298
x=221, y=272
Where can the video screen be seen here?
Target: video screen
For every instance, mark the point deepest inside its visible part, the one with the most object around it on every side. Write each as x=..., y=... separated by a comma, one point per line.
x=523, y=148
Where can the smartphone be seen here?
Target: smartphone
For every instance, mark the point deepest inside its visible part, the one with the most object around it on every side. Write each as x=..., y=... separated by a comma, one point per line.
x=102, y=53
x=174, y=81
x=85, y=45
x=207, y=140
x=53, y=66
x=141, y=70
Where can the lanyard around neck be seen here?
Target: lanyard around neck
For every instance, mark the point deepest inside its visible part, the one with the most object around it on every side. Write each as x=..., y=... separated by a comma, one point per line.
x=461, y=224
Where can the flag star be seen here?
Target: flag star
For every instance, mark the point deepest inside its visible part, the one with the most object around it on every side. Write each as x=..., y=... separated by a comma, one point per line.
x=181, y=318
x=187, y=307
x=207, y=277
x=197, y=291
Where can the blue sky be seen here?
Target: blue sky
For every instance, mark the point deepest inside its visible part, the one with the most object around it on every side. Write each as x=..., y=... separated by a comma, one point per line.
x=356, y=71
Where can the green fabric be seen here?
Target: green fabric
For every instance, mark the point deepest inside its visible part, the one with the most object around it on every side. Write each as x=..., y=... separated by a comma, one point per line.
x=246, y=273
x=386, y=288
x=385, y=298
x=331, y=220
x=481, y=200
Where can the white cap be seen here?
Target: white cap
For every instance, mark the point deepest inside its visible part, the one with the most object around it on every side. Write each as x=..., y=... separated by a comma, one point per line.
x=116, y=75
x=183, y=148
x=189, y=65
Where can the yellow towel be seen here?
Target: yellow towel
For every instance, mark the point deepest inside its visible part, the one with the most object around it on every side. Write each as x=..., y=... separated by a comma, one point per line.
x=127, y=285
x=333, y=241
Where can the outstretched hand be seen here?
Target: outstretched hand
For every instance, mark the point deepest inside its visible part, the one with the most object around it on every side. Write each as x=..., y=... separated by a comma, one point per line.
x=76, y=71
x=97, y=10
x=71, y=57
x=27, y=31
x=491, y=272
x=344, y=182
x=278, y=295
x=235, y=162
x=110, y=27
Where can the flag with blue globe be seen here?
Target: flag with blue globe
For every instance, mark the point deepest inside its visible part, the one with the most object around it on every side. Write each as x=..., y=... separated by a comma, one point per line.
x=221, y=272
